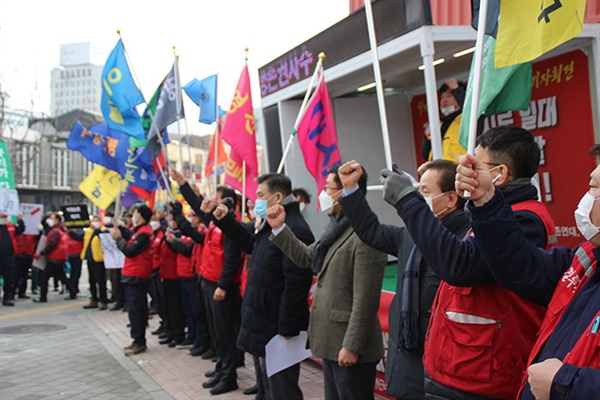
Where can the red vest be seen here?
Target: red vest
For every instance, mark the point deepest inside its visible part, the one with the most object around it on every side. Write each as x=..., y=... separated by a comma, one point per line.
x=197, y=252
x=586, y=352
x=139, y=266
x=155, y=248
x=24, y=244
x=213, y=255
x=60, y=251
x=73, y=246
x=479, y=338
x=167, y=261
x=185, y=265
x=10, y=227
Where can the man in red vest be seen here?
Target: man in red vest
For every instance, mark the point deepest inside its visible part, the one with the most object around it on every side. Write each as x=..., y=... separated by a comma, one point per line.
x=8, y=242
x=56, y=255
x=565, y=360
x=480, y=334
x=136, y=273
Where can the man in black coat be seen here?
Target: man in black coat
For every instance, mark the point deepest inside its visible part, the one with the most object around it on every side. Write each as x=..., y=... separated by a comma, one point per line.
x=275, y=300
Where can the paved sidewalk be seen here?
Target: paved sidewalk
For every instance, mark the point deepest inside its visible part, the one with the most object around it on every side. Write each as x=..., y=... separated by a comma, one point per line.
x=58, y=350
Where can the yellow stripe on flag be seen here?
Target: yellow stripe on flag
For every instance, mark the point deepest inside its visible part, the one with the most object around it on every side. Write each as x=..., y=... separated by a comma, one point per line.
x=529, y=28
x=101, y=186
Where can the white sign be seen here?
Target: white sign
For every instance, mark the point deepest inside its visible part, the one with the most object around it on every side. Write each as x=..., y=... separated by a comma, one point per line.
x=282, y=353
x=32, y=216
x=113, y=257
x=9, y=201
x=40, y=263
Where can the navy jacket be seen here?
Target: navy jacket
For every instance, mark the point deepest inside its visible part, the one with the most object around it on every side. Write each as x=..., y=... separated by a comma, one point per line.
x=275, y=300
x=521, y=267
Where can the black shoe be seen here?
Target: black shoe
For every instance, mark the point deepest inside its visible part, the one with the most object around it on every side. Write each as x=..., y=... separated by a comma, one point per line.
x=185, y=344
x=37, y=301
x=24, y=296
x=212, y=382
x=251, y=390
x=157, y=331
x=224, y=387
x=8, y=303
x=175, y=342
x=210, y=374
x=116, y=307
x=71, y=298
x=165, y=340
x=209, y=354
x=197, y=352
x=163, y=335
x=214, y=359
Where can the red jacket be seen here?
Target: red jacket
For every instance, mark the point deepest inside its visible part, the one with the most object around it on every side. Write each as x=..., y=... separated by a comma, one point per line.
x=155, y=248
x=74, y=247
x=25, y=244
x=185, y=265
x=213, y=255
x=197, y=252
x=59, y=253
x=10, y=227
x=485, y=332
x=139, y=266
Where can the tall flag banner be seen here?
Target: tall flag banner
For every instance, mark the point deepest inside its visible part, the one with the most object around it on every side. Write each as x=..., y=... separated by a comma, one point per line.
x=210, y=160
x=9, y=197
x=115, y=151
x=204, y=94
x=493, y=12
x=530, y=28
x=234, y=175
x=502, y=89
x=101, y=186
x=165, y=110
x=120, y=95
x=317, y=135
x=239, y=130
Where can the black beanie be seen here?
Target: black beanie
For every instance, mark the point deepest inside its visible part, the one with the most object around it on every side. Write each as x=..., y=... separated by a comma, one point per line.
x=145, y=212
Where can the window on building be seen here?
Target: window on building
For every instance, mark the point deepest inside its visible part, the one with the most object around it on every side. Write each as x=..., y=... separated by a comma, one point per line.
x=27, y=171
x=61, y=165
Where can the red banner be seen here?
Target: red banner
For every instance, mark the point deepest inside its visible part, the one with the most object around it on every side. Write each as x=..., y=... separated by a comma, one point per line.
x=560, y=117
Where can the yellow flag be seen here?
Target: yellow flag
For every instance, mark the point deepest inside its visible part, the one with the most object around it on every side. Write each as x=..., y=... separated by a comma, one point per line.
x=101, y=186
x=529, y=28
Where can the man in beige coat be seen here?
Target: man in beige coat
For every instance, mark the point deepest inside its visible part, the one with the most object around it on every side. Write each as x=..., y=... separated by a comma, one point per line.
x=344, y=328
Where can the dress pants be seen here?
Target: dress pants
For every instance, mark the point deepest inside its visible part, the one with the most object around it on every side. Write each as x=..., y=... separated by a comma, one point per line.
x=225, y=316
x=282, y=385
x=97, y=279
x=349, y=383
x=175, y=327
x=137, y=310
x=8, y=272
x=55, y=269
x=75, y=261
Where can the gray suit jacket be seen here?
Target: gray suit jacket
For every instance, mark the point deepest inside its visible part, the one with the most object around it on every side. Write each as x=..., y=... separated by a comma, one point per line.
x=346, y=300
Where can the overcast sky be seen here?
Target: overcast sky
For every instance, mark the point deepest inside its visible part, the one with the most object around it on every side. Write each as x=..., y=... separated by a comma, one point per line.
x=210, y=37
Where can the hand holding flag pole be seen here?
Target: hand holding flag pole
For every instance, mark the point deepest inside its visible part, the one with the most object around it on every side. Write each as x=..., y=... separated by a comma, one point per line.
x=302, y=111
x=483, y=7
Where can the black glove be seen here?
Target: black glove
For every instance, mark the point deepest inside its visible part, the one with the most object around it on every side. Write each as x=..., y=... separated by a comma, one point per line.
x=396, y=185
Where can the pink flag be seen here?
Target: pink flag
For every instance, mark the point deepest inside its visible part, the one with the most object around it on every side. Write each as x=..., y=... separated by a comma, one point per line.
x=235, y=173
x=317, y=136
x=239, y=129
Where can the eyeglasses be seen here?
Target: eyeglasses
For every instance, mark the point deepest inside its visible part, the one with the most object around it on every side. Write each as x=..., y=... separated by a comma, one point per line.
x=491, y=163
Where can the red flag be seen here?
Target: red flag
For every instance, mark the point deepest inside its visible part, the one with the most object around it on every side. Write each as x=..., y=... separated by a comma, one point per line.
x=210, y=160
x=317, y=136
x=144, y=194
x=235, y=173
x=239, y=130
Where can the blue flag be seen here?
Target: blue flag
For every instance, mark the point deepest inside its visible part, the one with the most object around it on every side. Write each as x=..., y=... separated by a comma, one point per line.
x=204, y=94
x=115, y=151
x=120, y=95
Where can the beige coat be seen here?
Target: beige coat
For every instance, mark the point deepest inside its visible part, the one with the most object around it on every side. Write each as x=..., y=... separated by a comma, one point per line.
x=346, y=300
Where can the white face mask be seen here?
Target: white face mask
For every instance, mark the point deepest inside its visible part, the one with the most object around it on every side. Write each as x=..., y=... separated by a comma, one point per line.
x=326, y=202
x=302, y=207
x=107, y=220
x=96, y=224
x=134, y=220
x=448, y=110
x=154, y=225
x=429, y=201
x=497, y=176
x=50, y=222
x=582, y=216
x=3, y=221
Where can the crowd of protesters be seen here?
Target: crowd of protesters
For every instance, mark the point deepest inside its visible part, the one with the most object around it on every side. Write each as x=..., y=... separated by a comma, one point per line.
x=487, y=306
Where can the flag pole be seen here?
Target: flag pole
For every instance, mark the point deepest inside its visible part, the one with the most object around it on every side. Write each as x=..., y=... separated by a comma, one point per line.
x=301, y=112
x=483, y=7
x=118, y=200
x=379, y=85
x=178, y=115
x=216, y=151
x=244, y=190
x=160, y=138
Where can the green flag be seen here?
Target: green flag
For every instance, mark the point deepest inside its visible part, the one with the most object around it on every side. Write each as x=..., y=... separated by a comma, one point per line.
x=9, y=198
x=502, y=89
